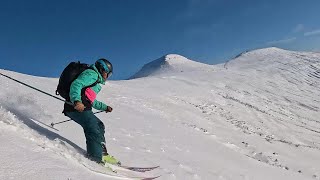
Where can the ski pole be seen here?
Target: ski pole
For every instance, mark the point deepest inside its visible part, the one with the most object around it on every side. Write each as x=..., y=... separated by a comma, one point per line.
x=52, y=124
x=36, y=89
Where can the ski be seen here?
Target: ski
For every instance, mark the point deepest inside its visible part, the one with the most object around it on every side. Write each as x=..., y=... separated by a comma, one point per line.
x=128, y=170
x=118, y=172
x=140, y=169
x=150, y=178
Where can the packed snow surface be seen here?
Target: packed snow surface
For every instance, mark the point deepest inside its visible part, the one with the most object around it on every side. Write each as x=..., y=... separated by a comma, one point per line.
x=255, y=117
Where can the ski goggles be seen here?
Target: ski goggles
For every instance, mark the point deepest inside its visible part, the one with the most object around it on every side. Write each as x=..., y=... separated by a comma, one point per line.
x=109, y=74
x=106, y=69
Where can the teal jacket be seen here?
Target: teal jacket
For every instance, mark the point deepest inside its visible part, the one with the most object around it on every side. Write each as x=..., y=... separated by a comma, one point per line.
x=85, y=79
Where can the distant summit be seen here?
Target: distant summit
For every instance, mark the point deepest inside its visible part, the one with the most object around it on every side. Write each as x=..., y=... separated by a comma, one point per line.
x=254, y=51
x=275, y=63
x=265, y=57
x=171, y=63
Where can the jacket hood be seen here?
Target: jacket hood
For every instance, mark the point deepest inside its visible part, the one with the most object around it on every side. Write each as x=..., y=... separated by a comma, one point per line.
x=101, y=81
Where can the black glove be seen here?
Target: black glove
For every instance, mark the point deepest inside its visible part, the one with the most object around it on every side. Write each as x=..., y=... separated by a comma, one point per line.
x=109, y=109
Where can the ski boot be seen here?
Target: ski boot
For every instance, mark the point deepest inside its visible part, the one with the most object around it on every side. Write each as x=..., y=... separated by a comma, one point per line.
x=110, y=160
x=107, y=158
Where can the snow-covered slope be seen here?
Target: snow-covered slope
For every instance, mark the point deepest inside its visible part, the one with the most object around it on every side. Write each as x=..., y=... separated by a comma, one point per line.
x=257, y=117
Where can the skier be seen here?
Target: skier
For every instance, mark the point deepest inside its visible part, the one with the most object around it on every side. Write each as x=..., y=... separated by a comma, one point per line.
x=83, y=91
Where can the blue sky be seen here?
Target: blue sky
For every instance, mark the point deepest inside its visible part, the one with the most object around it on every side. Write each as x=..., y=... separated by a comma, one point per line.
x=41, y=37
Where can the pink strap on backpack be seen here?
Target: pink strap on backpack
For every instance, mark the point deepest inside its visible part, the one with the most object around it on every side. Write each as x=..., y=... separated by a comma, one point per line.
x=90, y=94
